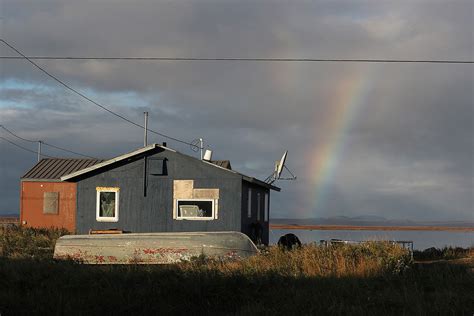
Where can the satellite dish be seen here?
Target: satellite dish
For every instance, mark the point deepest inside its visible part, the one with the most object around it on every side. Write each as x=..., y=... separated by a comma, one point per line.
x=281, y=165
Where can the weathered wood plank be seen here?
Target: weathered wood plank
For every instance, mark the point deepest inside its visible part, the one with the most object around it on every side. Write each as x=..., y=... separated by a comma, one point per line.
x=183, y=189
x=206, y=194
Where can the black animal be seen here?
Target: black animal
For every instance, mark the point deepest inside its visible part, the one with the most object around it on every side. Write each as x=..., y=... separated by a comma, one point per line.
x=289, y=241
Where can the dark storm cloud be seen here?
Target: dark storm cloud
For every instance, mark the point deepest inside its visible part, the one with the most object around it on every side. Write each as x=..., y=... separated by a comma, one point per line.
x=408, y=152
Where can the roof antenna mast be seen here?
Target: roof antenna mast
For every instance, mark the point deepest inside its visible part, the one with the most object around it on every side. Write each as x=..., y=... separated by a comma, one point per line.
x=39, y=150
x=201, y=146
x=145, y=141
x=197, y=145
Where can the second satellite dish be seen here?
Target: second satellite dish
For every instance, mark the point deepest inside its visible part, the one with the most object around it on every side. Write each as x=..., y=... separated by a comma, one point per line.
x=281, y=165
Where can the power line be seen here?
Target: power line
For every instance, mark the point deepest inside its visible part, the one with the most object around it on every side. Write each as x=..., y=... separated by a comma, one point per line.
x=45, y=143
x=24, y=148
x=67, y=150
x=11, y=133
x=86, y=97
x=350, y=60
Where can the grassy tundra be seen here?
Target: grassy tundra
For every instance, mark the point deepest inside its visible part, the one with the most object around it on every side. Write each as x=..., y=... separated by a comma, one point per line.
x=363, y=279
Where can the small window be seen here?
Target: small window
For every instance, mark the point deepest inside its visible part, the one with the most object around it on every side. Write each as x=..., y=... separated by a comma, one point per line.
x=195, y=209
x=267, y=207
x=107, y=204
x=50, y=202
x=259, y=207
x=249, y=204
x=157, y=166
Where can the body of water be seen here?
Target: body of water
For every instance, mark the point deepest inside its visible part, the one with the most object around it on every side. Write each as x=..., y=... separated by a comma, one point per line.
x=421, y=239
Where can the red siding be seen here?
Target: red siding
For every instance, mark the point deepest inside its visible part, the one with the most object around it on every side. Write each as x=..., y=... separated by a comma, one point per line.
x=31, y=205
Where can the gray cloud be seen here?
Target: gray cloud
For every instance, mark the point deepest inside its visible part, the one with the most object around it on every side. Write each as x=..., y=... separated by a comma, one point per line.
x=408, y=149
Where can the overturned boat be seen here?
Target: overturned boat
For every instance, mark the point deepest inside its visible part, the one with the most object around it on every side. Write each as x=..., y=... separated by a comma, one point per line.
x=153, y=248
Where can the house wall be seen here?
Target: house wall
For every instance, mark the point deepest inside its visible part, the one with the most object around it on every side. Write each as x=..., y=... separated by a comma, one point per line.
x=247, y=221
x=31, y=205
x=154, y=212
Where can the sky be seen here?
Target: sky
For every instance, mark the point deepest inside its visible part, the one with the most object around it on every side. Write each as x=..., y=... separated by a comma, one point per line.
x=386, y=139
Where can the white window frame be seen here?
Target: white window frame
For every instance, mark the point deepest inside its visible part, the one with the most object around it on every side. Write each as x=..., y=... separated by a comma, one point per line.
x=249, y=203
x=116, y=213
x=212, y=217
x=266, y=207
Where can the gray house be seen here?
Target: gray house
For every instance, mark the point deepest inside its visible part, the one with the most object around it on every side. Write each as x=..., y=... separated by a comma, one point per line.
x=157, y=189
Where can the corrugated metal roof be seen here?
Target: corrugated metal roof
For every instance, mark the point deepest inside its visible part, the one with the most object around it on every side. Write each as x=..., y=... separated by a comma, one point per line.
x=222, y=163
x=55, y=168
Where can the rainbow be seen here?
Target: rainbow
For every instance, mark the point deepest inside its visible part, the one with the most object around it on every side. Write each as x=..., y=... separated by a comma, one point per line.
x=347, y=102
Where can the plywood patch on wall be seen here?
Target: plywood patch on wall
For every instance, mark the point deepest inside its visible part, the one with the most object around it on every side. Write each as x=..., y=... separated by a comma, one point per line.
x=50, y=202
x=183, y=189
x=206, y=194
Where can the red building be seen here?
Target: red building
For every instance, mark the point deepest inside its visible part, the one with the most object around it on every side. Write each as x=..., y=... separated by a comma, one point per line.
x=45, y=200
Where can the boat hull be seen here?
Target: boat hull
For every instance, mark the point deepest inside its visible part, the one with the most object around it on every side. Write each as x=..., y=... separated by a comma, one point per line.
x=153, y=248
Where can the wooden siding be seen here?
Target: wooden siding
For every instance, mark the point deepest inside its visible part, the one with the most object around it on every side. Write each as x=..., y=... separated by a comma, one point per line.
x=153, y=212
x=32, y=204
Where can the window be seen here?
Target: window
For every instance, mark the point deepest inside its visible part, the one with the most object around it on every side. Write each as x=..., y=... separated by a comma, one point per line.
x=157, y=166
x=107, y=204
x=50, y=202
x=195, y=209
x=266, y=207
x=249, y=203
x=259, y=205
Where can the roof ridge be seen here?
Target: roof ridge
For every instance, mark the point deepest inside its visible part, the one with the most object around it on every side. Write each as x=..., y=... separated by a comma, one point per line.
x=71, y=158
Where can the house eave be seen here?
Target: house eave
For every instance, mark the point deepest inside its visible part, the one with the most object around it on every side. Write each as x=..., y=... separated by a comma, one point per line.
x=39, y=180
x=261, y=183
x=113, y=160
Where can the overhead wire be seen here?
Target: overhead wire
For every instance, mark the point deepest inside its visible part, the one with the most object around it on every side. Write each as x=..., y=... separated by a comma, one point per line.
x=44, y=143
x=67, y=150
x=19, y=137
x=64, y=84
x=349, y=60
x=24, y=148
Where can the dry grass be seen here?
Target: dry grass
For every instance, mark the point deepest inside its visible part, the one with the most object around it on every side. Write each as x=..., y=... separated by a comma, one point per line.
x=366, y=279
x=18, y=242
x=364, y=260
x=367, y=259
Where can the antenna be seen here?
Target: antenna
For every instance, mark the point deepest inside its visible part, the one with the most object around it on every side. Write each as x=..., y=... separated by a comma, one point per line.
x=145, y=136
x=197, y=145
x=200, y=146
x=39, y=150
x=279, y=166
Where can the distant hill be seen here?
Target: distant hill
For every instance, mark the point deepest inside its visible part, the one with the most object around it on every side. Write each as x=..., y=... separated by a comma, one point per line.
x=8, y=219
x=366, y=220
x=16, y=215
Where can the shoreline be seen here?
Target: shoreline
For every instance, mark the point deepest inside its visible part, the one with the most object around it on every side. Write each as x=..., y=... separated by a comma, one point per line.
x=377, y=228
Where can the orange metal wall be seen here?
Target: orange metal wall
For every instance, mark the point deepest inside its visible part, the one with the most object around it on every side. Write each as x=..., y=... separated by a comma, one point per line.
x=31, y=205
